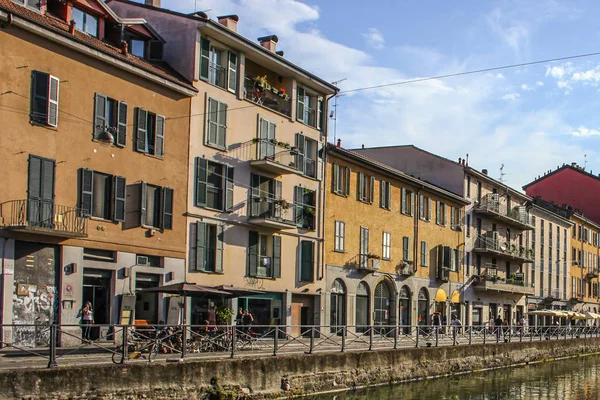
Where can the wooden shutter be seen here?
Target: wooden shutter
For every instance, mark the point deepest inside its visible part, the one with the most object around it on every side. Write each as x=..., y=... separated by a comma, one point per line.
x=201, y=178
x=299, y=205
x=232, y=76
x=167, y=208
x=204, y=58
x=301, y=107
x=276, y=256
x=360, y=188
x=201, y=239
x=412, y=203
x=437, y=212
x=222, y=125
x=86, y=194
x=320, y=112
x=53, y=95
x=252, y=253
x=143, y=202
x=320, y=151
x=403, y=201
x=212, y=118
x=372, y=190
x=121, y=139
x=421, y=207
x=228, y=188
x=34, y=187
x=382, y=194
x=452, y=259
x=334, y=179
x=446, y=262
x=141, y=129
x=428, y=209
x=306, y=260
x=120, y=198
x=443, y=209
x=39, y=97
x=99, y=115
x=452, y=217
x=159, y=143
x=299, y=143
x=219, y=249
x=347, y=183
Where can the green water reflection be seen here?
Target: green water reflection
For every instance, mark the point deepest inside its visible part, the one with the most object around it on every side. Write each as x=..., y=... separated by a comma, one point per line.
x=572, y=379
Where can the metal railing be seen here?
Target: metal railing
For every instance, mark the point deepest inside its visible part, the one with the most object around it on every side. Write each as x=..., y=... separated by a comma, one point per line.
x=217, y=75
x=496, y=243
x=43, y=216
x=491, y=203
x=271, y=208
x=276, y=151
x=123, y=344
x=266, y=96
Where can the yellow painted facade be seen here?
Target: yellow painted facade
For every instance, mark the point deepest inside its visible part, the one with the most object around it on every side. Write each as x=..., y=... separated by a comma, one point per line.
x=584, y=282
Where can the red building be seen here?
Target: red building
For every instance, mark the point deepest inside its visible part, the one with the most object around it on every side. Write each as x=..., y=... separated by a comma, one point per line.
x=571, y=185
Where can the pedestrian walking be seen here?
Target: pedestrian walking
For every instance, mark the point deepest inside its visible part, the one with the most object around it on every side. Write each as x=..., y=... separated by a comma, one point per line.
x=498, y=326
x=87, y=319
x=456, y=327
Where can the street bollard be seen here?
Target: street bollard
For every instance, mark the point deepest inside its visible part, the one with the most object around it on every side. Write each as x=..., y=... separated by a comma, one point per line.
x=125, y=344
x=343, y=339
x=233, y=340
x=276, y=340
x=52, y=356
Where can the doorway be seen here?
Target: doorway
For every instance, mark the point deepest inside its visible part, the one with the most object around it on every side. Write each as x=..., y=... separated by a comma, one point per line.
x=404, y=310
x=337, y=317
x=146, y=303
x=362, y=308
x=96, y=289
x=382, y=304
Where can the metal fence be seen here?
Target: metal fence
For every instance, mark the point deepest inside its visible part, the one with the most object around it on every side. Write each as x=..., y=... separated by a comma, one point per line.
x=122, y=344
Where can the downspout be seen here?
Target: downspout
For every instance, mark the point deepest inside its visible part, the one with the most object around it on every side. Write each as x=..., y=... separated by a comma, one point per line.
x=416, y=229
x=323, y=190
x=2, y=278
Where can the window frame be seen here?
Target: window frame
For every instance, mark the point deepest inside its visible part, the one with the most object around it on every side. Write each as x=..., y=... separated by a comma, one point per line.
x=115, y=111
x=424, y=254
x=305, y=98
x=385, y=195
x=85, y=15
x=86, y=193
x=49, y=101
x=406, y=249
x=339, y=236
x=340, y=180
x=152, y=124
x=386, y=250
x=219, y=127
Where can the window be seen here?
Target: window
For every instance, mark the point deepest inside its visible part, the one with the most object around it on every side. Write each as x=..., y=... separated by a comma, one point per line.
x=385, y=195
x=40, y=191
x=102, y=195
x=264, y=253
x=479, y=192
x=99, y=255
x=454, y=259
x=149, y=206
x=150, y=133
x=307, y=260
x=341, y=180
x=216, y=123
x=406, y=248
x=85, y=22
x=468, y=186
x=468, y=225
x=214, y=185
x=137, y=48
x=152, y=261
x=440, y=213
x=110, y=120
x=309, y=108
x=365, y=188
x=455, y=218
x=218, y=66
x=35, y=4
x=468, y=263
x=424, y=208
x=387, y=247
x=308, y=156
x=304, y=207
x=340, y=236
x=407, y=201
x=364, y=246
x=44, y=99
x=424, y=254
x=209, y=248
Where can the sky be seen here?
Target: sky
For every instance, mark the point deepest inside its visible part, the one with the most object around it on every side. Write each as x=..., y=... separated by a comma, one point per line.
x=530, y=119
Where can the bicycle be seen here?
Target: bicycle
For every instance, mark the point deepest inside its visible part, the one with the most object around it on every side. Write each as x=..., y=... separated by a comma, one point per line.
x=138, y=347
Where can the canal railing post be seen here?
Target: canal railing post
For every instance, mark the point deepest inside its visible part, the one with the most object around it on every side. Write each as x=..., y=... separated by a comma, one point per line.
x=52, y=356
x=417, y=340
x=437, y=333
x=312, y=339
x=484, y=334
x=470, y=335
x=233, y=340
x=395, y=337
x=521, y=329
x=276, y=339
x=498, y=332
x=183, y=341
x=371, y=334
x=125, y=344
x=343, y=338
x=510, y=329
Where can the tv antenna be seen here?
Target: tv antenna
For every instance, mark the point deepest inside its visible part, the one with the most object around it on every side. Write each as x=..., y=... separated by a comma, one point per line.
x=502, y=173
x=584, y=162
x=333, y=114
x=196, y=8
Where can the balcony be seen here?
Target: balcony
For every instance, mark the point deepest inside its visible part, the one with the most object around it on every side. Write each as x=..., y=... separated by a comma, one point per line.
x=492, y=245
x=44, y=218
x=551, y=294
x=591, y=273
x=490, y=280
x=276, y=158
x=517, y=216
x=259, y=91
x=364, y=262
x=271, y=213
x=217, y=75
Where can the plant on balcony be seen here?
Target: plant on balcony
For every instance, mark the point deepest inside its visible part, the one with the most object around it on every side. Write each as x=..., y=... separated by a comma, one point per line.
x=309, y=210
x=285, y=145
x=531, y=253
x=521, y=250
x=255, y=140
x=373, y=256
x=283, y=203
x=292, y=164
x=261, y=81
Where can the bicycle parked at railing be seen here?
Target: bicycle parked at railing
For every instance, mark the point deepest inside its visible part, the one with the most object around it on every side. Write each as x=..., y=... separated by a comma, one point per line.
x=145, y=344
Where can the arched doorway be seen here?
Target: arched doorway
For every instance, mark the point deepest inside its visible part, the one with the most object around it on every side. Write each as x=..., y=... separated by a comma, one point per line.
x=423, y=307
x=362, y=307
x=382, y=301
x=337, y=316
x=404, y=309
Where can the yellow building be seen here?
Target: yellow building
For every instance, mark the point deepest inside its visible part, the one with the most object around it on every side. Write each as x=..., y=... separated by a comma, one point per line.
x=393, y=244
x=585, y=243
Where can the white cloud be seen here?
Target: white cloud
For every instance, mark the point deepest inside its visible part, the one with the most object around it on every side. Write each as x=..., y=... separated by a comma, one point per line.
x=582, y=131
x=374, y=38
x=539, y=83
x=500, y=76
x=557, y=71
x=511, y=96
x=514, y=33
x=525, y=87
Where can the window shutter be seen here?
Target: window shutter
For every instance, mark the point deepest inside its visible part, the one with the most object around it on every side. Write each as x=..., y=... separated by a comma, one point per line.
x=39, y=97
x=443, y=208
x=426, y=259
x=119, y=198
x=428, y=209
x=255, y=195
x=212, y=118
x=412, y=203
x=140, y=129
x=320, y=113
x=222, y=125
x=204, y=58
x=143, y=202
x=232, y=78
x=405, y=248
x=276, y=256
x=452, y=217
x=334, y=180
x=421, y=207
x=201, y=178
x=347, y=183
x=167, y=208
x=452, y=259
x=228, y=188
x=360, y=188
x=299, y=205
x=301, y=107
x=99, y=114
x=53, y=95
x=159, y=145
x=320, y=151
x=299, y=142
x=403, y=200
x=252, y=253
x=201, y=229
x=34, y=187
x=382, y=194
x=389, y=195
x=446, y=256
x=278, y=196
x=437, y=212
x=372, y=190
x=87, y=191
x=122, y=125
x=306, y=261
x=219, y=249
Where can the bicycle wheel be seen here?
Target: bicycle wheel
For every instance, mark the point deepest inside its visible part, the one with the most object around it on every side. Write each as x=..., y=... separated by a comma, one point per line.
x=117, y=356
x=153, y=352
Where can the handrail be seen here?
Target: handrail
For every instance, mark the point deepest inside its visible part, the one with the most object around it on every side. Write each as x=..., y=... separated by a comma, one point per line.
x=43, y=215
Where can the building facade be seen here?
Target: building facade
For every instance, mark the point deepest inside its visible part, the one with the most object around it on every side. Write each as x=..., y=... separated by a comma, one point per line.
x=255, y=167
x=95, y=168
x=393, y=246
x=585, y=237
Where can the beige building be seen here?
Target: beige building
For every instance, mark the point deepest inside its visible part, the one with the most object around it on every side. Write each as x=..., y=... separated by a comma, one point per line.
x=255, y=166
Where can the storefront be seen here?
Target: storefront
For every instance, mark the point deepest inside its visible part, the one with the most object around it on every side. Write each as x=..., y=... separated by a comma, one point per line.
x=266, y=309
x=146, y=304
x=423, y=307
x=382, y=304
x=97, y=284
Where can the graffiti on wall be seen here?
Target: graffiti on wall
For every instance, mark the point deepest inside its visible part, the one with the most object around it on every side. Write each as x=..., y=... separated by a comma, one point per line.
x=255, y=283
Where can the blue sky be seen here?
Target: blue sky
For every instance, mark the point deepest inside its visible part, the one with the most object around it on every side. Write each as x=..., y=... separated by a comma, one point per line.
x=530, y=119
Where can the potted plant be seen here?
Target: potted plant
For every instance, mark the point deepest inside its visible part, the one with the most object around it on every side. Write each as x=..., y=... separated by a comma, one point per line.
x=373, y=256
x=223, y=315
x=261, y=81
x=283, y=203
x=309, y=210
x=292, y=164
x=255, y=140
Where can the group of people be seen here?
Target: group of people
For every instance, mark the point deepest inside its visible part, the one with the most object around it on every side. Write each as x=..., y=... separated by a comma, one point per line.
x=244, y=317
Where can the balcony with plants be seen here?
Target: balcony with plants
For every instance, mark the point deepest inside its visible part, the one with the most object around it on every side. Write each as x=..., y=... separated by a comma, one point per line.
x=271, y=212
x=267, y=88
x=491, y=206
x=495, y=278
x=368, y=262
x=495, y=245
x=274, y=157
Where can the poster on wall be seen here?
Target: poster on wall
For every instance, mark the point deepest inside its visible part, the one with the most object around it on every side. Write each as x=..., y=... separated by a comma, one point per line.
x=127, y=307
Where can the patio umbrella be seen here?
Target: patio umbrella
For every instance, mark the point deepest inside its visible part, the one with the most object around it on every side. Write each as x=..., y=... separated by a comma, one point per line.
x=237, y=291
x=544, y=313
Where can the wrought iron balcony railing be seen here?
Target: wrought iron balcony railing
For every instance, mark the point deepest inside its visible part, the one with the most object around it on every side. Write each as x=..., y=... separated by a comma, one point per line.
x=266, y=96
x=490, y=204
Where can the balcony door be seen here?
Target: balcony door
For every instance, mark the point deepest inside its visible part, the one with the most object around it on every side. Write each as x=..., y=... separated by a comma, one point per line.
x=264, y=193
x=40, y=192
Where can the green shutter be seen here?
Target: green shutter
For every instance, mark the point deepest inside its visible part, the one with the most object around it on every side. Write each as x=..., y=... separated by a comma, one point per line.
x=389, y=195
x=381, y=194
x=119, y=196
x=359, y=189
x=252, y=253
x=232, y=76
x=254, y=195
x=335, y=176
x=299, y=205
x=276, y=256
x=204, y=58
x=278, y=192
x=159, y=143
x=347, y=187
x=428, y=209
x=403, y=200
x=412, y=203
x=372, y=189
x=306, y=261
x=99, y=115
x=201, y=237
x=121, y=139
x=222, y=125
x=201, y=178
x=212, y=121
x=34, y=187
x=228, y=188
x=447, y=259
x=219, y=249
x=143, y=202
x=86, y=197
x=167, y=208
x=301, y=107
x=140, y=129
x=299, y=158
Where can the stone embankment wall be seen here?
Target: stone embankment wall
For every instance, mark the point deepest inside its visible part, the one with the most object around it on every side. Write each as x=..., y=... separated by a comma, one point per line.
x=263, y=377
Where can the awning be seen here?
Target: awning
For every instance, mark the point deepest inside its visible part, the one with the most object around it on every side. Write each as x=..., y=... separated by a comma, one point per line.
x=456, y=297
x=591, y=315
x=441, y=296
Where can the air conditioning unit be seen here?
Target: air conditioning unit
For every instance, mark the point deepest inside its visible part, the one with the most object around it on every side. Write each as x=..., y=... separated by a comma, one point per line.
x=374, y=263
x=141, y=260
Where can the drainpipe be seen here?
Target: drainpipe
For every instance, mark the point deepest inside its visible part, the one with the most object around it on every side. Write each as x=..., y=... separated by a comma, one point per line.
x=323, y=189
x=2, y=278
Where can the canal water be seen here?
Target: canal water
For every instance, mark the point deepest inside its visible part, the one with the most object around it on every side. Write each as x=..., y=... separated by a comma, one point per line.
x=573, y=379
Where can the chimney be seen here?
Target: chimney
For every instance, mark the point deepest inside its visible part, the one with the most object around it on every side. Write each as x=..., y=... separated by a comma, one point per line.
x=484, y=171
x=153, y=3
x=229, y=21
x=124, y=47
x=72, y=27
x=339, y=143
x=363, y=146
x=574, y=164
x=460, y=160
x=279, y=53
x=269, y=42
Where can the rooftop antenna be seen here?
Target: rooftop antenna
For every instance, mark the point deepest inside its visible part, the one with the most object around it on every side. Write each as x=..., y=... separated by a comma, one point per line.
x=196, y=7
x=333, y=114
x=502, y=173
x=584, y=162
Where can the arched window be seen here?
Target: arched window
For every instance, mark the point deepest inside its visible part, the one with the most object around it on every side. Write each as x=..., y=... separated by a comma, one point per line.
x=382, y=302
x=362, y=307
x=337, y=316
x=423, y=307
x=404, y=309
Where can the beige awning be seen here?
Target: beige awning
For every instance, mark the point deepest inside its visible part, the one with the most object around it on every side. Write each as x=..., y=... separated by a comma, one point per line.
x=441, y=296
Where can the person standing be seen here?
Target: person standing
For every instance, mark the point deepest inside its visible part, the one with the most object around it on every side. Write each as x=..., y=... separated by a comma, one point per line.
x=456, y=326
x=498, y=326
x=87, y=320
